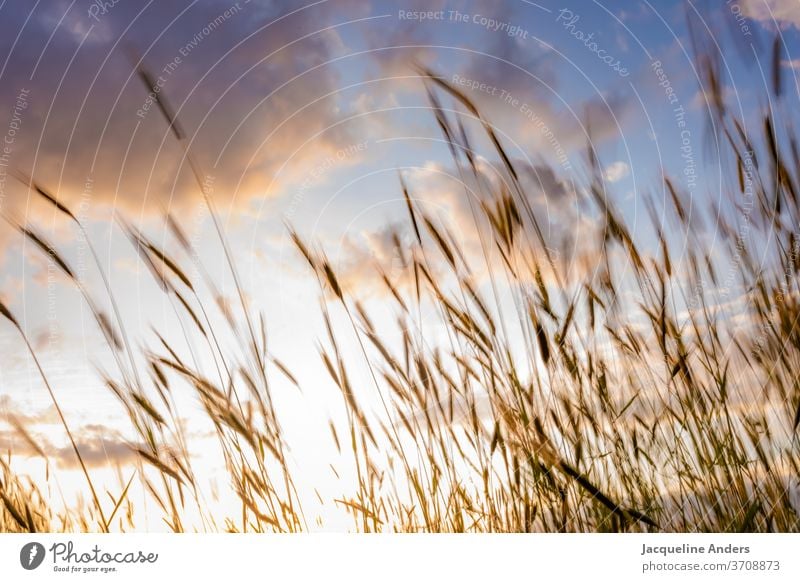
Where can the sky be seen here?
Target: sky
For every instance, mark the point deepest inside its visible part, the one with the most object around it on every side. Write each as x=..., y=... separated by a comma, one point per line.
x=307, y=115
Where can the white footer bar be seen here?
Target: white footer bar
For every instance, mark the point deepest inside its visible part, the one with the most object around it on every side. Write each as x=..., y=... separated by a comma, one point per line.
x=406, y=558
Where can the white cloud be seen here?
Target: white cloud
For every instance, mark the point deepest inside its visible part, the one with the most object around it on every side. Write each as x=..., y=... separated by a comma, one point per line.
x=765, y=11
x=617, y=171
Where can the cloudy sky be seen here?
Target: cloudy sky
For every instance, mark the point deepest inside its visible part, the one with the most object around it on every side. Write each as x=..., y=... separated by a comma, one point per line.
x=307, y=114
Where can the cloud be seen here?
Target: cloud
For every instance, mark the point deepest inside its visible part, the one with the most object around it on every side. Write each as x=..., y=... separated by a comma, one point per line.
x=362, y=258
x=438, y=191
x=527, y=101
x=785, y=12
x=107, y=450
x=401, y=42
x=14, y=442
x=90, y=131
x=617, y=171
x=9, y=407
x=251, y=89
x=99, y=445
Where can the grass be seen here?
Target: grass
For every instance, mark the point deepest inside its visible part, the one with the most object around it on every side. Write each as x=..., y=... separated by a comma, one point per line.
x=633, y=398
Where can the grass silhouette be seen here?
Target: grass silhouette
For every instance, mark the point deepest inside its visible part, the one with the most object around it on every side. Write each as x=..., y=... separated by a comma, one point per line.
x=635, y=399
